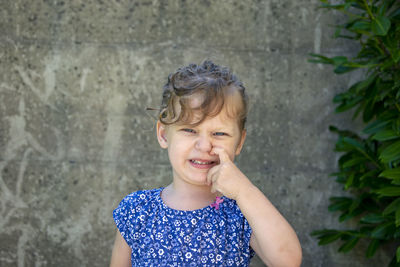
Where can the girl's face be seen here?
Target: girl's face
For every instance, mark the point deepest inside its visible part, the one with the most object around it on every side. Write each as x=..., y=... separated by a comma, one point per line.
x=190, y=148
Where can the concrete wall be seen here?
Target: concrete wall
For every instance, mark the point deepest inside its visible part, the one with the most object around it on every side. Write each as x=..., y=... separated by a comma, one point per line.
x=76, y=77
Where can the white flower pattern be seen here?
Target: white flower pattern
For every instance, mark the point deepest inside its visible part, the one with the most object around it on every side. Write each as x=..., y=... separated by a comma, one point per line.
x=204, y=237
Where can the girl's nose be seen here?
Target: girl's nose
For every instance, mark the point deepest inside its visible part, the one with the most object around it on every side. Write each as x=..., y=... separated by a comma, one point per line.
x=203, y=144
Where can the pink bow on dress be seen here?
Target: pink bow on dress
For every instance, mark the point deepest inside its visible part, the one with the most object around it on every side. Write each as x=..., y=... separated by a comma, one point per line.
x=218, y=201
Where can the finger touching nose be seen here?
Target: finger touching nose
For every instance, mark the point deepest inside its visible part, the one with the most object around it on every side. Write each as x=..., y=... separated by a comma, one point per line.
x=223, y=156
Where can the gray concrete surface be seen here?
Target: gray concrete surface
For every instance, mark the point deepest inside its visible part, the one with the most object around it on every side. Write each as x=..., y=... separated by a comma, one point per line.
x=76, y=77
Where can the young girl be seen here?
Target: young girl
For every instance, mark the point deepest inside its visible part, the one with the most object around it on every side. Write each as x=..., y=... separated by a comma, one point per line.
x=211, y=214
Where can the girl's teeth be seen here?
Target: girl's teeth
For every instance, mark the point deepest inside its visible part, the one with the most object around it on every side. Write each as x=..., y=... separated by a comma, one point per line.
x=201, y=163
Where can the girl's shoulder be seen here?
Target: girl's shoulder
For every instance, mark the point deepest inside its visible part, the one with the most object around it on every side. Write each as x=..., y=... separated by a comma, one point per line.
x=142, y=195
x=133, y=211
x=139, y=200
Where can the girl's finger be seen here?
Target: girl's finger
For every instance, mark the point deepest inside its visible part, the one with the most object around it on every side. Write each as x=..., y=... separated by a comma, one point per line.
x=223, y=156
x=211, y=173
x=213, y=188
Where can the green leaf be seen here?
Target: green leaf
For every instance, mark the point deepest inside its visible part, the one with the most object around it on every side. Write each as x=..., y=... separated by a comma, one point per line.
x=390, y=153
x=354, y=161
x=339, y=203
x=354, y=143
x=369, y=113
x=337, y=7
x=349, y=244
x=343, y=69
x=369, y=174
x=356, y=203
x=382, y=9
x=381, y=231
x=342, y=97
x=322, y=232
x=329, y=238
x=375, y=126
x=385, y=135
x=393, y=262
x=395, y=182
x=339, y=60
x=373, y=245
x=349, y=181
x=360, y=26
x=387, y=64
x=398, y=254
x=390, y=191
x=348, y=104
x=397, y=215
x=390, y=41
x=326, y=236
x=392, y=207
x=380, y=25
x=347, y=216
x=341, y=132
x=395, y=13
x=357, y=112
x=391, y=173
x=365, y=83
x=395, y=54
x=372, y=218
x=320, y=59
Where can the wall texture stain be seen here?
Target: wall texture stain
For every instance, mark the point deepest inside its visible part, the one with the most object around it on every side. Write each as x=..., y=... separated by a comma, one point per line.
x=77, y=76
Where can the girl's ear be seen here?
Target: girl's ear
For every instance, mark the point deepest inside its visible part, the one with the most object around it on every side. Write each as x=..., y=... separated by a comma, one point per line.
x=241, y=142
x=162, y=135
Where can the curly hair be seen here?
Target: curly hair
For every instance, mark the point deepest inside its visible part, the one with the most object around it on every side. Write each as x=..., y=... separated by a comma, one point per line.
x=213, y=85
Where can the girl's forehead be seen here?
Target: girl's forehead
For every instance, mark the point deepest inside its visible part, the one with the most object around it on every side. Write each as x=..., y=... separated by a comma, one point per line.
x=221, y=120
x=224, y=110
x=196, y=100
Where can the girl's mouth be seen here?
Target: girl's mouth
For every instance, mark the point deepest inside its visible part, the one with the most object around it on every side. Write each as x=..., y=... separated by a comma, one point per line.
x=202, y=164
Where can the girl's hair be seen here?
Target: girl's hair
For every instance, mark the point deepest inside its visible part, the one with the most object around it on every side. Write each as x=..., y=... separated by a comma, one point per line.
x=215, y=86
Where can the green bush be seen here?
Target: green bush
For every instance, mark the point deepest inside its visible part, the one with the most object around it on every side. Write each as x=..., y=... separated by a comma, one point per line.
x=369, y=166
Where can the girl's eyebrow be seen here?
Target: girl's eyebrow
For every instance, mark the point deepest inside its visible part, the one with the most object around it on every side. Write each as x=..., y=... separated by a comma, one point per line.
x=186, y=126
x=223, y=129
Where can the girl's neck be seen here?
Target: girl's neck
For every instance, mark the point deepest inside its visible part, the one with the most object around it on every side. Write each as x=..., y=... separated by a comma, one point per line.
x=187, y=197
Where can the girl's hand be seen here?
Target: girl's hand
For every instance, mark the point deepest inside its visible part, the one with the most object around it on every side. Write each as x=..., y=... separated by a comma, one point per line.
x=225, y=177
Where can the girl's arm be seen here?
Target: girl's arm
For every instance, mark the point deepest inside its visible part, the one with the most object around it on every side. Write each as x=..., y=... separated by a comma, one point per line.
x=273, y=239
x=121, y=254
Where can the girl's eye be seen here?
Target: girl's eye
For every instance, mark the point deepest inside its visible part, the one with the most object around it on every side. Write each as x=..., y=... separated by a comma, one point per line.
x=219, y=134
x=187, y=130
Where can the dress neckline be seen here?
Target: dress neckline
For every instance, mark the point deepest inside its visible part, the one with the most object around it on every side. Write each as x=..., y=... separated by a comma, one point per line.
x=202, y=211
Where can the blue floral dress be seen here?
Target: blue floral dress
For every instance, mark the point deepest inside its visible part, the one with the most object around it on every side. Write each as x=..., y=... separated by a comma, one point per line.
x=161, y=236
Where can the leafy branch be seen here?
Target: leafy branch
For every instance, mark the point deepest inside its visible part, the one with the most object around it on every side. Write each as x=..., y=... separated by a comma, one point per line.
x=369, y=165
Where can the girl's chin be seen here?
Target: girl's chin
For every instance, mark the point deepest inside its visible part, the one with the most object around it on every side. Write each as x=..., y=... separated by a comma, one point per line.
x=194, y=177
x=200, y=180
